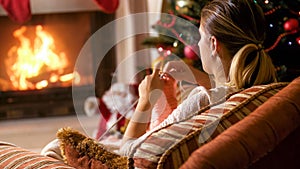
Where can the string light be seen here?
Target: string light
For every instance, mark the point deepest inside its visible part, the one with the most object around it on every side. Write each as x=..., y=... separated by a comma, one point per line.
x=175, y=44
x=168, y=52
x=160, y=49
x=272, y=10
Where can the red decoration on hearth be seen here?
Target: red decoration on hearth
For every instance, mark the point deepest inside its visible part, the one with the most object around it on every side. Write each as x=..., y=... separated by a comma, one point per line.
x=108, y=6
x=291, y=24
x=18, y=10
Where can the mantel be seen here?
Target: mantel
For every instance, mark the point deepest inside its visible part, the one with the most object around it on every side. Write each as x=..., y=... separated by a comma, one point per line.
x=59, y=6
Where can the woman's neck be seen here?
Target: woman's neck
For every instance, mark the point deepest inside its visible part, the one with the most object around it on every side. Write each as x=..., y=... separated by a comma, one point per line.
x=220, y=75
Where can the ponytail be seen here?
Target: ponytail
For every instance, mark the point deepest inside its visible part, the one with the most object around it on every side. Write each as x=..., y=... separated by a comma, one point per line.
x=250, y=66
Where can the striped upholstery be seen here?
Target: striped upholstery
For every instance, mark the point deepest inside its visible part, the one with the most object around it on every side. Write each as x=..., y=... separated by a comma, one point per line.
x=13, y=157
x=171, y=146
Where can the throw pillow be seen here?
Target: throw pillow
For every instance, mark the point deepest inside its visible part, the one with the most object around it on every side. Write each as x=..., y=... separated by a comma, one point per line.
x=13, y=157
x=83, y=152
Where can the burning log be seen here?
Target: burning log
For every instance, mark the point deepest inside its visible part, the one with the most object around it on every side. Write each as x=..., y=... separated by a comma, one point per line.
x=52, y=78
x=40, y=77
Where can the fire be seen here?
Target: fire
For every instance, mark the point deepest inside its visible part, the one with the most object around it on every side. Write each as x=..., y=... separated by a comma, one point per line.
x=35, y=66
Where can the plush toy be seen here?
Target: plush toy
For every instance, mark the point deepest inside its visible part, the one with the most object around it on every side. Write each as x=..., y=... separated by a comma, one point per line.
x=116, y=102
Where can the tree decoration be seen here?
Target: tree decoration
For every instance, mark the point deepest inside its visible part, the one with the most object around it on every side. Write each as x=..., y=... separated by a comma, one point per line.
x=298, y=40
x=190, y=8
x=279, y=39
x=183, y=42
x=291, y=24
x=270, y=12
x=282, y=37
x=191, y=52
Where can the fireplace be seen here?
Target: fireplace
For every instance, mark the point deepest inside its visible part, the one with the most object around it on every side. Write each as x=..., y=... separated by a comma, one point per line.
x=37, y=62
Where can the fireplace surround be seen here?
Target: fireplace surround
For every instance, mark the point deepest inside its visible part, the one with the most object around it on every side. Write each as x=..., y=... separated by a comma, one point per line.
x=70, y=24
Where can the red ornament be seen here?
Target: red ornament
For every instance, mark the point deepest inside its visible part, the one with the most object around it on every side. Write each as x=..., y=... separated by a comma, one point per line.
x=108, y=6
x=291, y=24
x=298, y=40
x=191, y=52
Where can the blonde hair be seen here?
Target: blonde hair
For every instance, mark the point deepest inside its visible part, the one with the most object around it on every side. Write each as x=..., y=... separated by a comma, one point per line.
x=251, y=66
x=240, y=26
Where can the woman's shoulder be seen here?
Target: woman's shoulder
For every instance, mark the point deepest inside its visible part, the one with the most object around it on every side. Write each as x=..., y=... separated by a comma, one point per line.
x=198, y=90
x=223, y=88
x=219, y=89
x=212, y=94
x=220, y=92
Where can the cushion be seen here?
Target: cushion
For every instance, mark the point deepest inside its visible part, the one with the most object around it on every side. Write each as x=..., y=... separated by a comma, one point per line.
x=171, y=146
x=13, y=157
x=83, y=152
x=256, y=136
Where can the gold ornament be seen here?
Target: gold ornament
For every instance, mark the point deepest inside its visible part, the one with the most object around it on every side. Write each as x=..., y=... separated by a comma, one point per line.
x=186, y=7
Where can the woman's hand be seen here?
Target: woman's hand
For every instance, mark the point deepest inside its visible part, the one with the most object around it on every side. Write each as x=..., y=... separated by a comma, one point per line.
x=151, y=87
x=180, y=71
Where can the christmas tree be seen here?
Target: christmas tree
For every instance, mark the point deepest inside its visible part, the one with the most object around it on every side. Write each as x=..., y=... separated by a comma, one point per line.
x=176, y=38
x=282, y=37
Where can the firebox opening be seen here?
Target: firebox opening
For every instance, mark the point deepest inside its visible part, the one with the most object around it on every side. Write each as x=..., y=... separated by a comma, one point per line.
x=42, y=53
x=37, y=63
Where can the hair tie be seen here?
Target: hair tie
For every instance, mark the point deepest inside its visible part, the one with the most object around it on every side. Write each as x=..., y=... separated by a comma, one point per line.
x=260, y=47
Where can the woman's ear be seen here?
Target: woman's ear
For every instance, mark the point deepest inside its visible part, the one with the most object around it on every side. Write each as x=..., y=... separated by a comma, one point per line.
x=214, y=45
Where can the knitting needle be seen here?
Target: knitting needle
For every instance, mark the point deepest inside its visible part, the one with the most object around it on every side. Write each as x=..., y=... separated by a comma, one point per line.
x=118, y=120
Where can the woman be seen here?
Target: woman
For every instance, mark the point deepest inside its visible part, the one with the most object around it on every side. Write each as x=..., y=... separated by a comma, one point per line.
x=232, y=34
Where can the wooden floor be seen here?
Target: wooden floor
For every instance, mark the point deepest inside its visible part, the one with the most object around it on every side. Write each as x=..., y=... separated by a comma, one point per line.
x=34, y=134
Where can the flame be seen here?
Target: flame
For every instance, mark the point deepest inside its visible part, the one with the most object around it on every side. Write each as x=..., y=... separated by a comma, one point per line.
x=28, y=61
